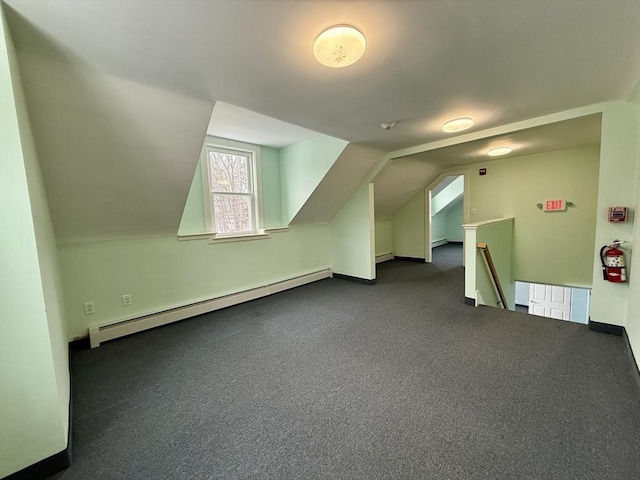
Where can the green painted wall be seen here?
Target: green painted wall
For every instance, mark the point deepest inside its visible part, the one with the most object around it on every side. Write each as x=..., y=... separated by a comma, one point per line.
x=271, y=187
x=454, y=223
x=618, y=182
x=302, y=167
x=545, y=246
x=163, y=272
x=499, y=237
x=352, y=237
x=633, y=314
x=192, y=222
x=439, y=227
x=447, y=195
x=408, y=228
x=34, y=368
x=447, y=224
x=384, y=236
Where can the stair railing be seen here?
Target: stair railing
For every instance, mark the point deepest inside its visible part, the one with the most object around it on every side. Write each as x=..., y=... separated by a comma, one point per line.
x=484, y=248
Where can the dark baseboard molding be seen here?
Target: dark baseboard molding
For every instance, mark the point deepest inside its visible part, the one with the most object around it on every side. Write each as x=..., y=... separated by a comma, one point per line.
x=455, y=243
x=410, y=259
x=631, y=355
x=57, y=462
x=606, y=328
x=79, y=344
x=366, y=281
x=44, y=468
x=618, y=331
x=469, y=301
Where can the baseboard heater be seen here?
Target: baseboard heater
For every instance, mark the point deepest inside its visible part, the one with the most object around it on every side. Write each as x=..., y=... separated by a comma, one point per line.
x=439, y=243
x=384, y=257
x=103, y=333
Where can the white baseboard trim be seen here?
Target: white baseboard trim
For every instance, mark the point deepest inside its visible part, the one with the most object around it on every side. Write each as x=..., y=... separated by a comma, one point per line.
x=384, y=257
x=102, y=333
x=437, y=243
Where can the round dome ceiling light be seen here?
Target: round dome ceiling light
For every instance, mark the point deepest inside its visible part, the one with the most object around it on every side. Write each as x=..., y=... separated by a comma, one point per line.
x=457, y=124
x=496, y=152
x=339, y=46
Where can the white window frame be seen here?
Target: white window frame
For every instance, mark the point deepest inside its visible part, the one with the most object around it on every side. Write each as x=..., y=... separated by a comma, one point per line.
x=253, y=154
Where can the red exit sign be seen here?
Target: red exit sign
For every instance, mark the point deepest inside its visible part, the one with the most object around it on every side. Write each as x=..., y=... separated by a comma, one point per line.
x=555, y=205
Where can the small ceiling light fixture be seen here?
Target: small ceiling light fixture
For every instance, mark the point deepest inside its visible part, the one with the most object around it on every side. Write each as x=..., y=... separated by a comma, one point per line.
x=388, y=125
x=457, y=124
x=339, y=46
x=496, y=152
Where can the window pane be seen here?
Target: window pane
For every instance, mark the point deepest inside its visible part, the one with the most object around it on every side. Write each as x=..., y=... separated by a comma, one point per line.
x=232, y=213
x=229, y=172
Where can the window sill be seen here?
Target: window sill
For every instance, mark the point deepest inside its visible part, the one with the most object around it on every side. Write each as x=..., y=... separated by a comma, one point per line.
x=238, y=238
x=266, y=233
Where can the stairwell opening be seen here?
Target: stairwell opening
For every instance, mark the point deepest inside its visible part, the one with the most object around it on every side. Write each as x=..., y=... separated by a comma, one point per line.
x=553, y=301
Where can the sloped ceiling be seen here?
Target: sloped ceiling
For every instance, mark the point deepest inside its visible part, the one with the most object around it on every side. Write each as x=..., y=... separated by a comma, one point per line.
x=400, y=180
x=117, y=156
x=444, y=183
x=235, y=123
x=426, y=62
x=454, y=203
x=120, y=92
x=339, y=184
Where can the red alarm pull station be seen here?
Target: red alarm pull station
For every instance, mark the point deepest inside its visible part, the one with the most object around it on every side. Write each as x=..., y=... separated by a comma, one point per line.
x=482, y=171
x=618, y=214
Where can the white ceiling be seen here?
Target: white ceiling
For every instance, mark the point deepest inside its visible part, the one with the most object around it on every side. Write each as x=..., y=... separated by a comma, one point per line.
x=426, y=61
x=235, y=123
x=120, y=93
x=576, y=132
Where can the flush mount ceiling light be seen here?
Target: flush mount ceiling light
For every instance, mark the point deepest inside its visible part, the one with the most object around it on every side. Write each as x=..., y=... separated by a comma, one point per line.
x=496, y=152
x=457, y=124
x=339, y=46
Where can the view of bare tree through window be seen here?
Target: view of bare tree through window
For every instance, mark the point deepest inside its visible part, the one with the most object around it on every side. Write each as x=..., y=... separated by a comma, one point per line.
x=230, y=180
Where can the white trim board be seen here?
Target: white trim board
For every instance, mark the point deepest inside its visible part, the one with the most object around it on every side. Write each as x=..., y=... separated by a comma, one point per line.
x=438, y=243
x=384, y=257
x=102, y=333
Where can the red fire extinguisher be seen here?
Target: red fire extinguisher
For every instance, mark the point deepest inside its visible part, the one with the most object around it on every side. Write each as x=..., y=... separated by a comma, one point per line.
x=613, y=266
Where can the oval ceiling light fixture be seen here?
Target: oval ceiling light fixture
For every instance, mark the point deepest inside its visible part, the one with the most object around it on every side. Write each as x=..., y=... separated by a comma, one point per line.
x=457, y=124
x=339, y=46
x=496, y=152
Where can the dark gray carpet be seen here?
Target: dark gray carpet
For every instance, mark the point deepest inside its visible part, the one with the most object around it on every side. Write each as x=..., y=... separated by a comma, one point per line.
x=339, y=380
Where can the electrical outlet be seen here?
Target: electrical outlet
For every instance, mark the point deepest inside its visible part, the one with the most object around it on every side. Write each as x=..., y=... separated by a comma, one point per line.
x=315, y=261
x=126, y=300
x=89, y=308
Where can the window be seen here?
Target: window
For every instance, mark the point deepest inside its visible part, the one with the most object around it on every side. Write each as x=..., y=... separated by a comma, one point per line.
x=232, y=206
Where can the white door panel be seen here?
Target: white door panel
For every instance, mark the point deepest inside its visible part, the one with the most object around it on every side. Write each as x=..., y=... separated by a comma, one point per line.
x=538, y=292
x=550, y=301
x=536, y=310
x=559, y=294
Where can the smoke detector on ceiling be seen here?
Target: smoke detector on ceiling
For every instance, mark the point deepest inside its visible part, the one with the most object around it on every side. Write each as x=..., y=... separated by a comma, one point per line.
x=388, y=125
